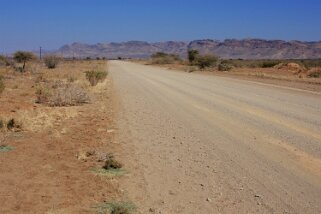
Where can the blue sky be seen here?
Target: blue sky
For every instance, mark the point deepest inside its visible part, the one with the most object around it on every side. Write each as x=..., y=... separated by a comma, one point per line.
x=52, y=23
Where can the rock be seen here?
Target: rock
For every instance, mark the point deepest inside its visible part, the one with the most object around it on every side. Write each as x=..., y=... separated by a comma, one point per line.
x=209, y=200
x=110, y=130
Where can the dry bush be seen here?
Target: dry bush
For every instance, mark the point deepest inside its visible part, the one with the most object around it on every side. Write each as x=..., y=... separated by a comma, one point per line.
x=111, y=163
x=223, y=66
x=4, y=61
x=43, y=93
x=13, y=124
x=71, y=79
x=2, y=85
x=51, y=61
x=10, y=124
x=95, y=76
x=192, y=55
x=58, y=93
x=41, y=78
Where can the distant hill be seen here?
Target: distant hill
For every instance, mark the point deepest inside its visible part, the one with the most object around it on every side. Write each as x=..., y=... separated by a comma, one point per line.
x=230, y=48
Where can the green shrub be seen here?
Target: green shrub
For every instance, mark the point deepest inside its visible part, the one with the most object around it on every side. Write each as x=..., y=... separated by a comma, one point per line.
x=205, y=61
x=95, y=76
x=164, y=58
x=2, y=86
x=192, y=55
x=51, y=61
x=23, y=57
x=315, y=74
x=225, y=66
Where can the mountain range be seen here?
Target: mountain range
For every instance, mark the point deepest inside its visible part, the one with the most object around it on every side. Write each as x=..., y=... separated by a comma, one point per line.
x=227, y=49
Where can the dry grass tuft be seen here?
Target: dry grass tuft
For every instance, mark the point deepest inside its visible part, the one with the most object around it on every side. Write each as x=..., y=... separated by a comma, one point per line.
x=51, y=61
x=58, y=93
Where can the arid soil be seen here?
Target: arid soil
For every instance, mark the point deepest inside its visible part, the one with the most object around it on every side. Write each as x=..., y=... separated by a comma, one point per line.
x=207, y=144
x=49, y=167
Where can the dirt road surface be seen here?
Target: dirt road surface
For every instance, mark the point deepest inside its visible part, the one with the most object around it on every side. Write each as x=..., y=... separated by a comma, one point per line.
x=206, y=144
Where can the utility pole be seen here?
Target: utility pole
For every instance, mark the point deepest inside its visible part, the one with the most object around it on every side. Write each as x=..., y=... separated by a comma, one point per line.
x=40, y=56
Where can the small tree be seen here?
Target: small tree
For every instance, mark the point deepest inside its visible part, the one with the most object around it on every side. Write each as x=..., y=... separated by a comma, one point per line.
x=23, y=57
x=52, y=61
x=192, y=55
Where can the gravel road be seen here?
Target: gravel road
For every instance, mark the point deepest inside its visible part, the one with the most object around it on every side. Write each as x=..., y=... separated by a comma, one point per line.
x=204, y=144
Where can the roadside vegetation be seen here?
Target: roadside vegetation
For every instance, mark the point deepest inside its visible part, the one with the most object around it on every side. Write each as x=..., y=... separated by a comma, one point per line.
x=305, y=70
x=61, y=108
x=95, y=76
x=202, y=61
x=164, y=58
x=52, y=61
